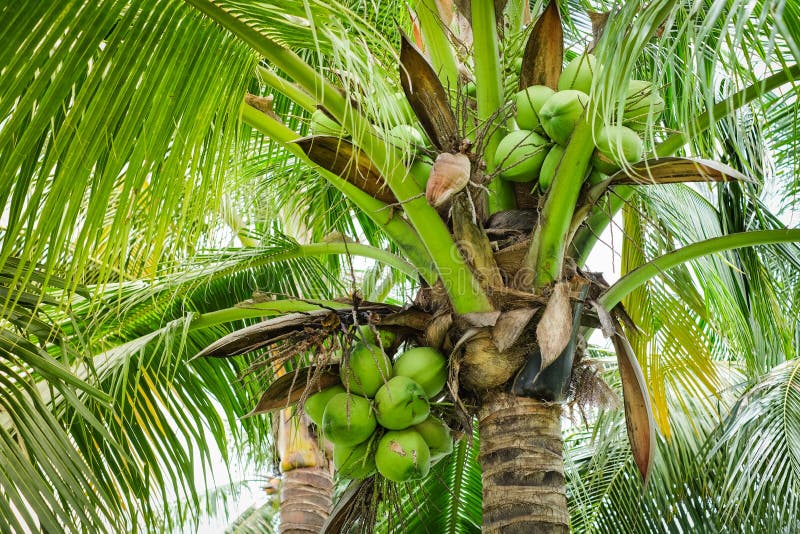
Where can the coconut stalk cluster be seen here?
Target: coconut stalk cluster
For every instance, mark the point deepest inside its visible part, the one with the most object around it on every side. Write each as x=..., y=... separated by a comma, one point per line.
x=546, y=119
x=379, y=417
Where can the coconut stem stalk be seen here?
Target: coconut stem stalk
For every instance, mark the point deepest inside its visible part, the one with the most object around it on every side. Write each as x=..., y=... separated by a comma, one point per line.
x=398, y=229
x=545, y=257
x=490, y=95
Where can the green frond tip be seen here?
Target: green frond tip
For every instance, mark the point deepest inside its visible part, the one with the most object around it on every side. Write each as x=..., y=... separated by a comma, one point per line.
x=726, y=107
x=642, y=274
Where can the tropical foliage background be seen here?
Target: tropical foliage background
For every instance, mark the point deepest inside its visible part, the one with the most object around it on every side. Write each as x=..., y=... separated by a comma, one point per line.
x=137, y=211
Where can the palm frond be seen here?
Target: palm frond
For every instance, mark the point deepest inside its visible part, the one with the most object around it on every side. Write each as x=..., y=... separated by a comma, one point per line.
x=118, y=169
x=447, y=501
x=759, y=449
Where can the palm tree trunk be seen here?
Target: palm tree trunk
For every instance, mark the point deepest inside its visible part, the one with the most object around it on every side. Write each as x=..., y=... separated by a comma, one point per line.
x=307, y=486
x=305, y=500
x=523, y=467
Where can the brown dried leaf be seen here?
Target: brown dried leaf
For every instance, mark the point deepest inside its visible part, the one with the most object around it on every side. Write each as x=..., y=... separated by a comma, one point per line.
x=555, y=327
x=638, y=412
x=510, y=326
x=289, y=388
x=674, y=170
x=427, y=97
x=544, y=51
x=262, y=334
x=414, y=319
x=482, y=319
x=340, y=157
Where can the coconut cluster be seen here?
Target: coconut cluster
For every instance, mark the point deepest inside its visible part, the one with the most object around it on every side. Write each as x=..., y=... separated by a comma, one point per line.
x=378, y=418
x=546, y=119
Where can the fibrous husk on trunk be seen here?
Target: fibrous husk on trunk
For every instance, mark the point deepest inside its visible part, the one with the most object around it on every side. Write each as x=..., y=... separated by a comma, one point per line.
x=484, y=367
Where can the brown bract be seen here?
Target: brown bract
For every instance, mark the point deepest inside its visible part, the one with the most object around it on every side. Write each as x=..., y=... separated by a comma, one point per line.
x=427, y=97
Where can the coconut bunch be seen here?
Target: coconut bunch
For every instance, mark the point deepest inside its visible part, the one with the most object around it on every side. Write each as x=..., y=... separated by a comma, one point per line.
x=546, y=119
x=378, y=418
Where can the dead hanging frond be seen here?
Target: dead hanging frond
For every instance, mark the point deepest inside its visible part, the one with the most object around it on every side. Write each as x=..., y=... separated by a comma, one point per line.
x=310, y=346
x=295, y=386
x=300, y=329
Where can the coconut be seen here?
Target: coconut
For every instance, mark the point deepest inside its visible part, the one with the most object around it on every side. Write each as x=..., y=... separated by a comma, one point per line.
x=616, y=145
x=561, y=113
x=578, y=74
x=367, y=335
x=321, y=124
x=641, y=99
x=405, y=134
x=356, y=462
x=315, y=404
x=437, y=436
x=470, y=89
x=367, y=369
x=425, y=366
x=403, y=455
x=549, y=167
x=520, y=155
x=348, y=419
x=528, y=102
x=400, y=403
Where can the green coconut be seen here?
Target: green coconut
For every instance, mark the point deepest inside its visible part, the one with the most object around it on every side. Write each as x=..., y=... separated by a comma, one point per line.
x=616, y=145
x=405, y=134
x=520, y=155
x=578, y=74
x=400, y=403
x=425, y=366
x=436, y=435
x=528, y=103
x=367, y=369
x=356, y=462
x=561, y=113
x=315, y=404
x=470, y=89
x=321, y=124
x=549, y=167
x=420, y=171
x=641, y=99
x=348, y=419
x=403, y=455
x=367, y=335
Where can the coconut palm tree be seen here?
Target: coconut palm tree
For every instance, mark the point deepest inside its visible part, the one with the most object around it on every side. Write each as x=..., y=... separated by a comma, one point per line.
x=122, y=143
